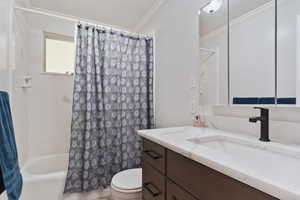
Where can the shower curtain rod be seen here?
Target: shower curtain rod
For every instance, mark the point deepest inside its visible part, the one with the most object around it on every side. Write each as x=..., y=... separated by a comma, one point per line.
x=79, y=20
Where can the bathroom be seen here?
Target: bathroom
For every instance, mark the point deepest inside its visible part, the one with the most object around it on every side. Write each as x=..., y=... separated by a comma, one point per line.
x=216, y=114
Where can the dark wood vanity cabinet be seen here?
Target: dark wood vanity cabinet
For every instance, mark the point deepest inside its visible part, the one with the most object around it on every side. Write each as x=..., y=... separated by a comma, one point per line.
x=155, y=155
x=170, y=176
x=154, y=177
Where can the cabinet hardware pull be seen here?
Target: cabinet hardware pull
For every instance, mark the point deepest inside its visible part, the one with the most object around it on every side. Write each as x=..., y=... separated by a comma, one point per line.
x=150, y=187
x=174, y=197
x=152, y=154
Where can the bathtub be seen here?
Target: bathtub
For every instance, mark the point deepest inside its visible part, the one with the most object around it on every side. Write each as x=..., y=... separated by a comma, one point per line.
x=44, y=178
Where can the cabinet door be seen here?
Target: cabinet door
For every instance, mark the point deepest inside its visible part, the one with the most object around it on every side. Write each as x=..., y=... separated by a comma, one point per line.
x=154, y=154
x=174, y=192
x=208, y=184
x=153, y=183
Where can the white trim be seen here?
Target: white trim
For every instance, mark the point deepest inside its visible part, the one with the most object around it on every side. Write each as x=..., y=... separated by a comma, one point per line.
x=11, y=45
x=154, y=77
x=147, y=17
x=218, y=76
x=298, y=62
x=56, y=74
x=57, y=37
x=77, y=20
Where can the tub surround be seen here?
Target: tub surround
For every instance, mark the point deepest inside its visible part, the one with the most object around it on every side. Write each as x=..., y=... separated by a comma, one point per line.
x=44, y=178
x=277, y=174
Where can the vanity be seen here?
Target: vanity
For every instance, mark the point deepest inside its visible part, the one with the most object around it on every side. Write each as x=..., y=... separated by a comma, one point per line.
x=194, y=164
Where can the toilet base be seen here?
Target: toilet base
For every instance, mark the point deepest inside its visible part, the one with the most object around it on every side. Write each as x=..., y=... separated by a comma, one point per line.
x=118, y=195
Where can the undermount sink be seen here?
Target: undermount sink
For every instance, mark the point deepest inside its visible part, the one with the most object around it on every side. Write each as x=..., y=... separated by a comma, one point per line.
x=226, y=144
x=262, y=158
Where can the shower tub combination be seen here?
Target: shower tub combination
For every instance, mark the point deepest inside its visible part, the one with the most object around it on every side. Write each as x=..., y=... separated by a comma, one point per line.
x=44, y=178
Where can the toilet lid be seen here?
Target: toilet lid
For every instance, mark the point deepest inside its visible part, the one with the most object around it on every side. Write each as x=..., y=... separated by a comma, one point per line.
x=130, y=179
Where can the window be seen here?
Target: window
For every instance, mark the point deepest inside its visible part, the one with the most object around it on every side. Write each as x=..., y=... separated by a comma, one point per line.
x=59, y=54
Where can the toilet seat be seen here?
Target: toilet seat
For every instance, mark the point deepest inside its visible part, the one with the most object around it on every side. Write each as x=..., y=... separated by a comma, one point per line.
x=128, y=181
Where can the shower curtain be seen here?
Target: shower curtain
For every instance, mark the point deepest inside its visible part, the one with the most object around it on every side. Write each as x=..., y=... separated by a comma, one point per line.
x=112, y=99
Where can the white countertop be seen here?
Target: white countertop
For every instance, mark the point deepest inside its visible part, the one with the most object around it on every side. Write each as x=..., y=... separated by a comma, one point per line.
x=279, y=180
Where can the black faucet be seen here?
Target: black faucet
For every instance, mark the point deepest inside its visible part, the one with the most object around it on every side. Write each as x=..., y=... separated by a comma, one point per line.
x=264, y=126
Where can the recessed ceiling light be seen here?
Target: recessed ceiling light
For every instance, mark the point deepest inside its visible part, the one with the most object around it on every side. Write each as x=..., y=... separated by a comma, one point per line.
x=212, y=7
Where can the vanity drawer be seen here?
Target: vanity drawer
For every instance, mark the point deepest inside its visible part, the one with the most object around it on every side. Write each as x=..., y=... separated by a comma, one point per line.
x=154, y=154
x=208, y=184
x=153, y=183
x=176, y=193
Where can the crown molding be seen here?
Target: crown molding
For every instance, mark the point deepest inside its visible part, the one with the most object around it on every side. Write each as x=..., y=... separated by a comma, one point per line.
x=147, y=17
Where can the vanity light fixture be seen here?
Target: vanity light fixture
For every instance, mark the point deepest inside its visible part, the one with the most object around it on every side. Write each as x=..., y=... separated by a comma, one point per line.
x=212, y=7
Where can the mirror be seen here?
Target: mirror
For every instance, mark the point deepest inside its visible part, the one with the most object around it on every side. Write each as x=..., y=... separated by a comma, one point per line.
x=288, y=52
x=259, y=63
x=252, y=51
x=213, y=52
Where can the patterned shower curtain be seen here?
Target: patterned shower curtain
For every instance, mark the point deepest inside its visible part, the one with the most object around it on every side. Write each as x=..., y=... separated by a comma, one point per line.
x=112, y=99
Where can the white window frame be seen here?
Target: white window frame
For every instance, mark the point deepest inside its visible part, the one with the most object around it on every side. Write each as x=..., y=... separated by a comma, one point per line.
x=54, y=36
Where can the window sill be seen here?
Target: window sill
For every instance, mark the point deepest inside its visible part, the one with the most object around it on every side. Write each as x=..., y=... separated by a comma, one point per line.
x=56, y=74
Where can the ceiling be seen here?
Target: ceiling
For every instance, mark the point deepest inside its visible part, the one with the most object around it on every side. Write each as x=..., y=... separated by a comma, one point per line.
x=128, y=13
x=212, y=22
x=122, y=13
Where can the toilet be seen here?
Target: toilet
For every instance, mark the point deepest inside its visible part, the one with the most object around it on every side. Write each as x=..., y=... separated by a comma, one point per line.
x=127, y=185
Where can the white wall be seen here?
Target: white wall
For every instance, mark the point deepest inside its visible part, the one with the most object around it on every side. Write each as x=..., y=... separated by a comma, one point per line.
x=4, y=23
x=288, y=10
x=298, y=63
x=13, y=67
x=252, y=55
x=177, y=60
x=47, y=107
x=218, y=69
x=19, y=69
x=41, y=113
x=176, y=38
x=50, y=97
x=209, y=77
x=284, y=122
